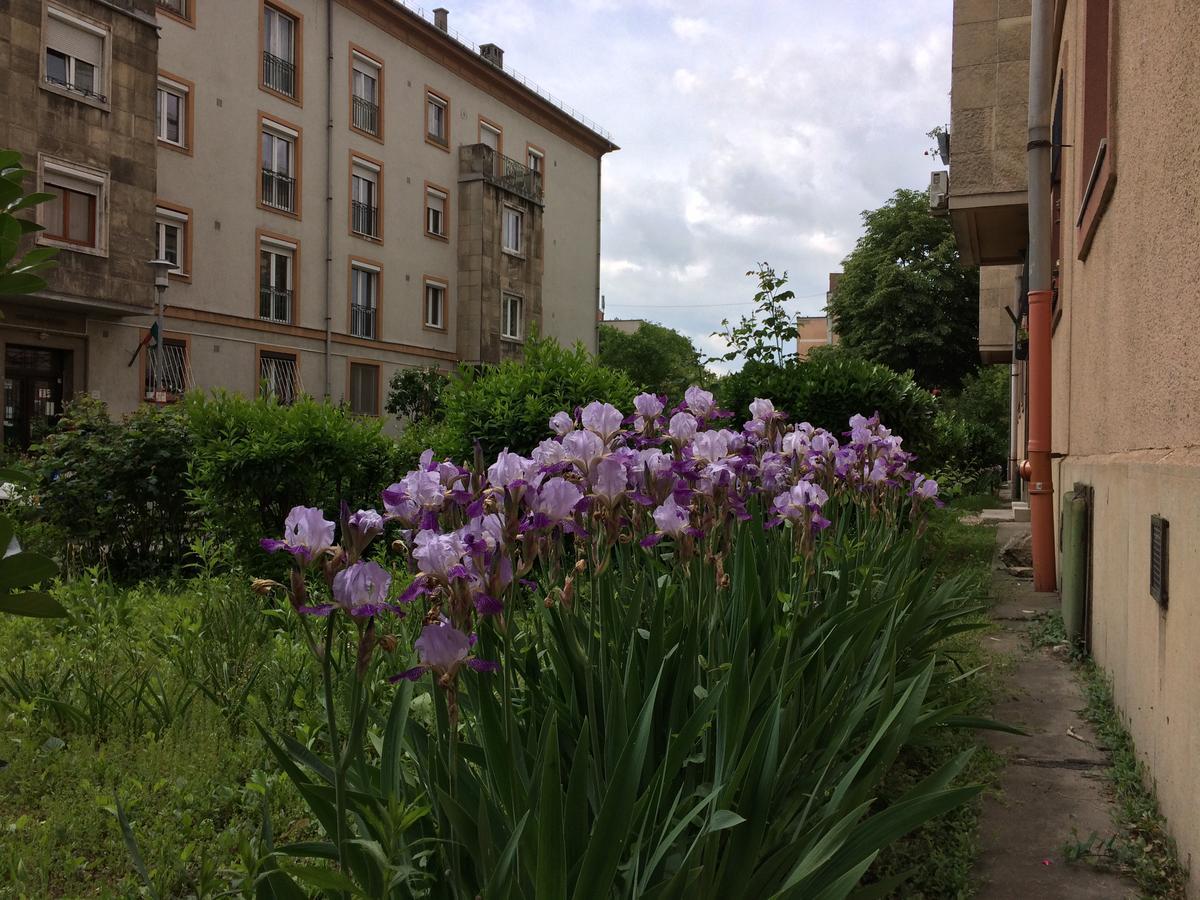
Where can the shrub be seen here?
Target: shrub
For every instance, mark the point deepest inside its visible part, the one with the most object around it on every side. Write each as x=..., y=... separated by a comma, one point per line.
x=655, y=357
x=416, y=394
x=116, y=490
x=983, y=405
x=253, y=460
x=509, y=405
x=830, y=386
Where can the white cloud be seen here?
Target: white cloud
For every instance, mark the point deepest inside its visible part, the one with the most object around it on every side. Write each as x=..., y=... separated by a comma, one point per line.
x=689, y=28
x=685, y=80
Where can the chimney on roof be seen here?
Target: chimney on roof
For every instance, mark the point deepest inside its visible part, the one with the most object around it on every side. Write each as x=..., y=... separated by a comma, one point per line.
x=492, y=54
x=441, y=18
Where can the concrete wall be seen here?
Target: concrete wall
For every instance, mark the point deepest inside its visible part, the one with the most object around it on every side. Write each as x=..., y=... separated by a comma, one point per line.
x=989, y=97
x=812, y=331
x=1126, y=390
x=998, y=288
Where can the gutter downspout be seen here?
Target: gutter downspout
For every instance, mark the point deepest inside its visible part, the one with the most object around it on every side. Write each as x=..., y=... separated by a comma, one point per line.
x=328, y=199
x=1041, y=486
x=1014, y=407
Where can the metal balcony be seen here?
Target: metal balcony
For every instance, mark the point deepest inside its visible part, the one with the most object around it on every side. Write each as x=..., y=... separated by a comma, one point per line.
x=500, y=170
x=278, y=190
x=365, y=115
x=362, y=321
x=364, y=218
x=275, y=305
x=279, y=74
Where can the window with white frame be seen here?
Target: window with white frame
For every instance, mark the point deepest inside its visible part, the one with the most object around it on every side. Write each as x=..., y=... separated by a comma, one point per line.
x=171, y=116
x=364, y=301
x=171, y=238
x=75, y=217
x=514, y=224
x=276, y=261
x=364, y=198
x=435, y=304
x=436, y=124
x=279, y=51
x=75, y=52
x=278, y=166
x=364, y=389
x=178, y=7
x=279, y=376
x=511, y=325
x=364, y=98
x=435, y=212
x=537, y=160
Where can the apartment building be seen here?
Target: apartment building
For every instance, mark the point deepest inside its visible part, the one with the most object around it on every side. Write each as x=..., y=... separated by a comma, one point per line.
x=344, y=188
x=1116, y=351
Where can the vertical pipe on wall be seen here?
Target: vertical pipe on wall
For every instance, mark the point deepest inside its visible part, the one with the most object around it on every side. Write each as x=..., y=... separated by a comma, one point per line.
x=1014, y=405
x=328, y=199
x=1041, y=487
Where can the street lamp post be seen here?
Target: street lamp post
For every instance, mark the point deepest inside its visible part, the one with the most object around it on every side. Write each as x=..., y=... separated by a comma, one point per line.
x=162, y=268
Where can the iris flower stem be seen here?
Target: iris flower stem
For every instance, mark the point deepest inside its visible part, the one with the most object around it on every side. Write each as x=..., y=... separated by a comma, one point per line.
x=339, y=775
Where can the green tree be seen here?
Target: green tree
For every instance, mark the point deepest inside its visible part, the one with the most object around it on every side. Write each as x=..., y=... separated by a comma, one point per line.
x=416, y=394
x=658, y=358
x=762, y=335
x=18, y=274
x=905, y=299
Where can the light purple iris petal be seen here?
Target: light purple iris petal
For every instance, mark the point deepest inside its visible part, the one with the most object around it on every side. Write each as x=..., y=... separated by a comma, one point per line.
x=442, y=647
x=557, y=499
x=671, y=518
x=648, y=405
x=683, y=426
x=610, y=479
x=584, y=446
x=362, y=588
x=603, y=419
x=509, y=467
x=698, y=401
x=762, y=410
x=561, y=423
x=306, y=529
x=436, y=554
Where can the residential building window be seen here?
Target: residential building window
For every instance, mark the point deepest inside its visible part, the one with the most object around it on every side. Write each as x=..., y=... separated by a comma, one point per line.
x=279, y=376
x=75, y=54
x=437, y=125
x=435, y=212
x=275, y=278
x=511, y=325
x=167, y=376
x=279, y=51
x=171, y=118
x=1095, y=140
x=537, y=161
x=514, y=223
x=364, y=94
x=180, y=8
x=74, y=218
x=278, y=167
x=492, y=136
x=364, y=198
x=171, y=238
x=435, y=304
x=364, y=301
x=364, y=389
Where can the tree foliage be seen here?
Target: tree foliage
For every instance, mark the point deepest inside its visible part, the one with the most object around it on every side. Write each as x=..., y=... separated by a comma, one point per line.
x=905, y=299
x=761, y=336
x=657, y=358
x=415, y=394
x=19, y=273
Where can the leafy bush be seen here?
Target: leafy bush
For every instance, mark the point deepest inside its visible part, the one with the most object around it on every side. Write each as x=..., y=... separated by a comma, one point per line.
x=657, y=358
x=253, y=460
x=416, y=394
x=983, y=406
x=116, y=490
x=509, y=405
x=830, y=386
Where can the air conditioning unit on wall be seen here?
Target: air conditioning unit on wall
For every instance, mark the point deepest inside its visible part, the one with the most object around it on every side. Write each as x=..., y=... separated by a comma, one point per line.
x=939, y=192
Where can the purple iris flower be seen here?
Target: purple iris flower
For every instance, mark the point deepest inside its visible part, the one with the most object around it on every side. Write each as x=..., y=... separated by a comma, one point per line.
x=762, y=410
x=585, y=447
x=610, y=479
x=925, y=488
x=698, y=401
x=443, y=649
x=602, y=418
x=436, y=554
x=683, y=427
x=556, y=500
x=561, y=423
x=671, y=518
x=362, y=589
x=648, y=405
x=509, y=469
x=306, y=534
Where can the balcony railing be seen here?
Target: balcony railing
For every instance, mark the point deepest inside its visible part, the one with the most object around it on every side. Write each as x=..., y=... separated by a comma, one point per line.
x=366, y=115
x=364, y=218
x=275, y=305
x=362, y=321
x=278, y=190
x=78, y=88
x=505, y=172
x=279, y=74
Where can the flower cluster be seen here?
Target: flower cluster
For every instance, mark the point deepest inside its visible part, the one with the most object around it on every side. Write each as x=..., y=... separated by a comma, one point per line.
x=473, y=538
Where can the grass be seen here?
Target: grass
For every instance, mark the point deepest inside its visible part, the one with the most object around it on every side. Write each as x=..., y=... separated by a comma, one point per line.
x=1141, y=848
x=111, y=705
x=941, y=854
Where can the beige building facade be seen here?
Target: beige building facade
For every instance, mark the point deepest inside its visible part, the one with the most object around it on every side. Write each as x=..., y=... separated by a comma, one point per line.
x=1125, y=188
x=344, y=189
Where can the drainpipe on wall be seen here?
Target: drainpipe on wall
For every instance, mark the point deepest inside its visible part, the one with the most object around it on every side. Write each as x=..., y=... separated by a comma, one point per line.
x=1014, y=401
x=328, y=199
x=1041, y=487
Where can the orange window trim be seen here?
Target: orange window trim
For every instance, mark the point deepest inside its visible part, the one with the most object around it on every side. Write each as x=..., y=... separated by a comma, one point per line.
x=299, y=174
x=445, y=235
x=495, y=126
x=189, y=105
x=259, y=351
x=351, y=362
x=297, y=50
x=259, y=234
x=188, y=19
x=186, y=249
x=355, y=48
x=143, y=355
x=377, y=163
x=445, y=98
x=444, y=284
x=1097, y=174
x=377, y=267
x=531, y=148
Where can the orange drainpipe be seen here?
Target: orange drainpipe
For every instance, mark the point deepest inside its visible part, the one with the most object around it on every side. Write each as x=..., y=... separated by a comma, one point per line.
x=1041, y=485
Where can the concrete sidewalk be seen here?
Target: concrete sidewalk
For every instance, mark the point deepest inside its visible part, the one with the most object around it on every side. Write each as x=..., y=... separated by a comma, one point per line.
x=1052, y=790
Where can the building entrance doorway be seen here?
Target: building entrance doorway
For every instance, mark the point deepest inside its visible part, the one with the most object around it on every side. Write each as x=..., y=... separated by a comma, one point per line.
x=33, y=393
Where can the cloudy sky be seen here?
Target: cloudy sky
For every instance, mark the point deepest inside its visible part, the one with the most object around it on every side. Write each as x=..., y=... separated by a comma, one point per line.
x=750, y=130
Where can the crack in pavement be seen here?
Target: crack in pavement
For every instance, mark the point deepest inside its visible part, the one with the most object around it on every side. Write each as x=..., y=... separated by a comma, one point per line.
x=1069, y=762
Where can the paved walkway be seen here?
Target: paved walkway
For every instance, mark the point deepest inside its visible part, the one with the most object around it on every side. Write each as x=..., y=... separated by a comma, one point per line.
x=1052, y=789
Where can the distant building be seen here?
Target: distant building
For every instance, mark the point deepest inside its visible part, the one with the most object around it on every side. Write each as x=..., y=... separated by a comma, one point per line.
x=625, y=326
x=816, y=331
